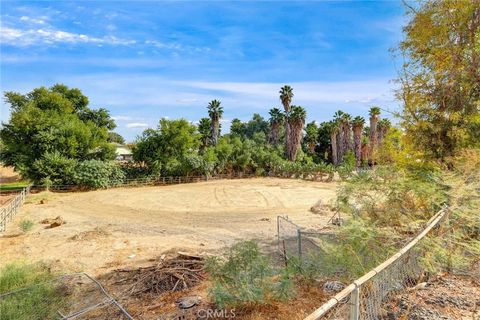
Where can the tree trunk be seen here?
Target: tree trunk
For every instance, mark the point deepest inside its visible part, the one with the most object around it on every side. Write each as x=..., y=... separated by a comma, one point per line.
x=340, y=139
x=333, y=142
x=357, y=138
x=347, y=137
x=295, y=139
x=215, y=126
x=274, y=133
x=381, y=135
x=287, y=138
x=373, y=139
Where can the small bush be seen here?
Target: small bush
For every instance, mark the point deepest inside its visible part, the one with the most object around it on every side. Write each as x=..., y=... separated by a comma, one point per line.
x=35, y=303
x=247, y=276
x=26, y=225
x=98, y=174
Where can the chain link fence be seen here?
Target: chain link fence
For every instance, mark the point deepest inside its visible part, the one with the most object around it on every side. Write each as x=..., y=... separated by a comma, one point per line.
x=296, y=242
x=75, y=296
x=8, y=211
x=367, y=297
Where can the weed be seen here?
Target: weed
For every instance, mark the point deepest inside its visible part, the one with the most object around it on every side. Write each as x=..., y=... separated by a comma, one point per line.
x=247, y=276
x=26, y=225
x=40, y=301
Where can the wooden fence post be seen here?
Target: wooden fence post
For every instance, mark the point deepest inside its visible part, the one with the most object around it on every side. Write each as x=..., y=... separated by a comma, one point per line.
x=355, y=303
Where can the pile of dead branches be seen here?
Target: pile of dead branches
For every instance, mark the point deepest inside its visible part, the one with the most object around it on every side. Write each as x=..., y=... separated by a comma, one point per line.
x=169, y=274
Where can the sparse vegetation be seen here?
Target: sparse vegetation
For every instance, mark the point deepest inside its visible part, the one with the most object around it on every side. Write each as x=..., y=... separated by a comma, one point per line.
x=43, y=299
x=26, y=225
x=246, y=276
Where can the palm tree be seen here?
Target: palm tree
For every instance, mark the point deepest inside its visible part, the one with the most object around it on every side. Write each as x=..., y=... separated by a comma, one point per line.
x=215, y=111
x=347, y=133
x=337, y=117
x=276, y=120
x=332, y=128
x=310, y=140
x=374, y=116
x=357, y=124
x=286, y=95
x=296, y=119
x=382, y=128
x=205, y=128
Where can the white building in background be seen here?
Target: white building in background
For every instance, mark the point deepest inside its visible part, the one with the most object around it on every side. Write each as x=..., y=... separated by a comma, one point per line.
x=124, y=153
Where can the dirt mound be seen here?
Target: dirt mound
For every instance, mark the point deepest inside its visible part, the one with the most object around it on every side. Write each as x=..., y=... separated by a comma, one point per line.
x=53, y=223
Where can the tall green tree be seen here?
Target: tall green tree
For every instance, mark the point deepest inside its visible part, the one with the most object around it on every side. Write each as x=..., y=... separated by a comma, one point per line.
x=374, y=117
x=311, y=137
x=334, y=129
x=347, y=133
x=53, y=123
x=205, y=129
x=440, y=78
x=338, y=118
x=296, y=119
x=215, y=111
x=357, y=125
x=382, y=129
x=276, y=120
x=115, y=137
x=166, y=150
x=286, y=96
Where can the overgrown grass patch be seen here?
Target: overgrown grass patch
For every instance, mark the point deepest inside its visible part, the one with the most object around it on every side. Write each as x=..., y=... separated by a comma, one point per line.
x=33, y=297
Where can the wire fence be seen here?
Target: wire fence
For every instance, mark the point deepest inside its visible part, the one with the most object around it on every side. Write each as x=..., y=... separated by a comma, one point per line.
x=367, y=297
x=149, y=181
x=8, y=211
x=296, y=242
x=75, y=296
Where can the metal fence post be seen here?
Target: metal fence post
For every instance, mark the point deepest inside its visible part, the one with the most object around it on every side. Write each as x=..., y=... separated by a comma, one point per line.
x=355, y=303
x=299, y=234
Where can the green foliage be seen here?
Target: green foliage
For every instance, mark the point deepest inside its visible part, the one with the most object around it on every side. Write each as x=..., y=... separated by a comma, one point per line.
x=115, y=137
x=165, y=149
x=26, y=225
x=53, y=126
x=97, y=174
x=439, y=82
x=246, y=276
x=38, y=303
x=54, y=168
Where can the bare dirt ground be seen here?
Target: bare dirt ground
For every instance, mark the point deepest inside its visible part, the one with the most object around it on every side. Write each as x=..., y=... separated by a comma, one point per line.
x=8, y=175
x=445, y=297
x=127, y=226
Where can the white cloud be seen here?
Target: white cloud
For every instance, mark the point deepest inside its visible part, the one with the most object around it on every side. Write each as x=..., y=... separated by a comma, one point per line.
x=136, y=125
x=122, y=118
x=33, y=20
x=29, y=37
x=187, y=100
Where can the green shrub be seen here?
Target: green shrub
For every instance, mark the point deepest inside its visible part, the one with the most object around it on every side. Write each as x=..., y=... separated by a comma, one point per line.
x=54, y=168
x=98, y=174
x=39, y=302
x=247, y=276
x=26, y=225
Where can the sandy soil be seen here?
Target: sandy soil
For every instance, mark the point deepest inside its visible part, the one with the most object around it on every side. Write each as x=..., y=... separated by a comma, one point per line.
x=127, y=226
x=8, y=175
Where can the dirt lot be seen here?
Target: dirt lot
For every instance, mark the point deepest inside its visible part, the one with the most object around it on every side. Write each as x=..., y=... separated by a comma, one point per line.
x=127, y=226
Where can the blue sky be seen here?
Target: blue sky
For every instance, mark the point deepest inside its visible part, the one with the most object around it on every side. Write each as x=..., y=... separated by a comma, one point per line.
x=148, y=60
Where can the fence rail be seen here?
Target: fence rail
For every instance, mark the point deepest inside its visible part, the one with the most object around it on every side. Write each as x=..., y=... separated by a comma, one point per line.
x=8, y=211
x=365, y=297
